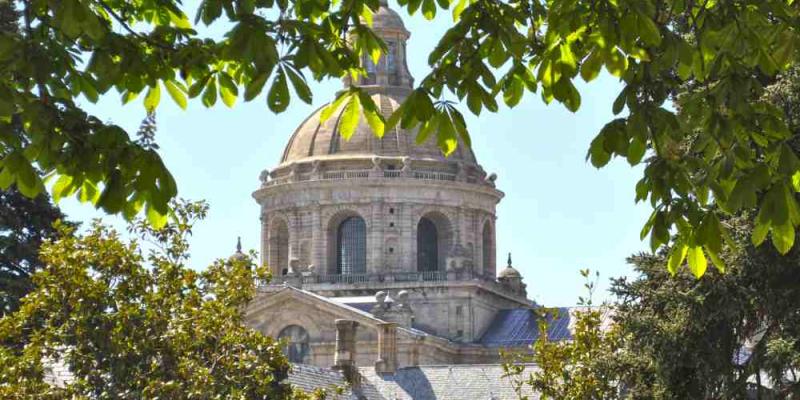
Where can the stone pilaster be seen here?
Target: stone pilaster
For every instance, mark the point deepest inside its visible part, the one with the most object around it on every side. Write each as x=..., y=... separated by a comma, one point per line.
x=375, y=238
x=317, y=241
x=264, y=238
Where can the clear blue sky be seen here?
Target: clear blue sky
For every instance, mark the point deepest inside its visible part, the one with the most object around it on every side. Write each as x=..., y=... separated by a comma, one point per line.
x=559, y=215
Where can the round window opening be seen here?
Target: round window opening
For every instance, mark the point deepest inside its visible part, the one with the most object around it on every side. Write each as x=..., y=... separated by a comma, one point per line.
x=296, y=343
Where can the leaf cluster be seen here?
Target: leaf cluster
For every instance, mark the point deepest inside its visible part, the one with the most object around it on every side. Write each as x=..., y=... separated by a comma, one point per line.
x=692, y=106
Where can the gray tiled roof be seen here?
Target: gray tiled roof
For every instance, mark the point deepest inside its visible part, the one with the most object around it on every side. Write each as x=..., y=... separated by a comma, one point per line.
x=310, y=378
x=444, y=382
x=519, y=327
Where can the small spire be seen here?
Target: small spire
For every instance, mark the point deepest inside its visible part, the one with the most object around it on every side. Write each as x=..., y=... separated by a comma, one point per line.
x=509, y=258
x=238, y=244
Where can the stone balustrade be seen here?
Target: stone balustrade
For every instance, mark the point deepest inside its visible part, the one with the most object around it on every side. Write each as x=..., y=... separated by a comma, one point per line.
x=313, y=280
x=365, y=174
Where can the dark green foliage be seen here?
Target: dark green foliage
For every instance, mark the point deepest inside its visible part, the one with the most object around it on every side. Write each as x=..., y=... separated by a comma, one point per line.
x=24, y=224
x=703, y=339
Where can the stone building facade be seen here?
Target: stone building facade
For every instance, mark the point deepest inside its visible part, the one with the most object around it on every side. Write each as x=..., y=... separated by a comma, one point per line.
x=389, y=233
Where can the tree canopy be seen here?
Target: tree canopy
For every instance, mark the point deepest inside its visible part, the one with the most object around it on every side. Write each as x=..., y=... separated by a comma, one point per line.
x=25, y=224
x=725, y=151
x=127, y=323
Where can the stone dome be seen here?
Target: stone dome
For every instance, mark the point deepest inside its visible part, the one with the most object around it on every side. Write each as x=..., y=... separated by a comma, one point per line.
x=316, y=140
x=509, y=272
x=387, y=19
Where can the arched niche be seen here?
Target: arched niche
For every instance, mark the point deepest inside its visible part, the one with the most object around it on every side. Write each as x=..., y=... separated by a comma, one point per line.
x=434, y=239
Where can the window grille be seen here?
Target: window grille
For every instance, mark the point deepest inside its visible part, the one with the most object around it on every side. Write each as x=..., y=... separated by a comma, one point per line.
x=351, y=247
x=427, y=246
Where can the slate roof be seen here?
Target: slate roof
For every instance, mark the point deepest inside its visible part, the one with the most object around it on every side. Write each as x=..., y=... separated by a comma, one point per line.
x=310, y=378
x=519, y=327
x=444, y=382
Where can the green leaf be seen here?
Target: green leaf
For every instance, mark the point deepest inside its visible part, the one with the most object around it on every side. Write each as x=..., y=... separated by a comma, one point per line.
x=710, y=232
x=60, y=187
x=210, y=94
x=178, y=94
x=498, y=54
x=783, y=237
x=676, y=257
x=156, y=219
x=88, y=193
x=278, y=96
x=254, y=87
x=349, y=119
x=616, y=62
x=429, y=9
x=112, y=199
x=425, y=130
x=372, y=114
x=300, y=85
x=513, y=91
x=598, y=154
x=152, y=98
x=227, y=89
x=590, y=68
x=28, y=181
x=458, y=9
x=619, y=102
x=332, y=107
x=718, y=263
x=649, y=31
x=697, y=261
x=636, y=151
x=446, y=135
x=760, y=227
x=566, y=92
x=796, y=181
x=6, y=178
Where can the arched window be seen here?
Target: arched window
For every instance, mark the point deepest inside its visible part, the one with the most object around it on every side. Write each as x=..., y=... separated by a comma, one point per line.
x=279, y=247
x=351, y=247
x=427, y=246
x=488, y=251
x=296, y=348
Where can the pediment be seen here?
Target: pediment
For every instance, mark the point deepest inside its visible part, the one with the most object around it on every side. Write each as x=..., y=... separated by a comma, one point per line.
x=270, y=311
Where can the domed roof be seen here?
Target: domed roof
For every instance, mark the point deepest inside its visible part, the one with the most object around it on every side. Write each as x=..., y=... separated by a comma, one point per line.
x=314, y=139
x=509, y=271
x=386, y=18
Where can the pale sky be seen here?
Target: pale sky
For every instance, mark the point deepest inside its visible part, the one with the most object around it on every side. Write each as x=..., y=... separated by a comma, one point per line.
x=559, y=214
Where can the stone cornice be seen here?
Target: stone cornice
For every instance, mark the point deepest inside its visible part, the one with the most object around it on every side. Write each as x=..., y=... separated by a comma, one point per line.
x=399, y=182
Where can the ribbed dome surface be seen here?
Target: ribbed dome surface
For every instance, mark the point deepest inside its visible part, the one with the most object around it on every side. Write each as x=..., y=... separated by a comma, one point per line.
x=386, y=18
x=316, y=140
